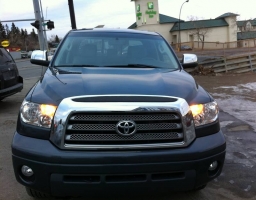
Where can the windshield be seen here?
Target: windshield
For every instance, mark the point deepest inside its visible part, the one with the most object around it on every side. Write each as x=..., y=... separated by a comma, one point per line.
x=114, y=49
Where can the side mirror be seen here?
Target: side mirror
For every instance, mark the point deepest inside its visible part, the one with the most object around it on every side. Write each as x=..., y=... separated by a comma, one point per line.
x=189, y=61
x=39, y=57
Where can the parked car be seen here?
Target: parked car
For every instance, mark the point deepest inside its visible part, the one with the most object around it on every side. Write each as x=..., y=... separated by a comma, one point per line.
x=10, y=81
x=29, y=54
x=23, y=54
x=185, y=47
x=102, y=119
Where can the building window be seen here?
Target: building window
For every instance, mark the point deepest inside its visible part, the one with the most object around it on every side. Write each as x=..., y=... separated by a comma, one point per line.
x=248, y=26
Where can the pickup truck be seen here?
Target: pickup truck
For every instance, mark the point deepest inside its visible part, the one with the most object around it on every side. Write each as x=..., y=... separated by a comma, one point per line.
x=116, y=112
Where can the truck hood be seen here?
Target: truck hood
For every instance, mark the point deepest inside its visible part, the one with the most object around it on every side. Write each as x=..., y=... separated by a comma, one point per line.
x=53, y=88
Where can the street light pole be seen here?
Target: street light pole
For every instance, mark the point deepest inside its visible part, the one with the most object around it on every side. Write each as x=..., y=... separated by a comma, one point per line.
x=38, y=17
x=179, y=25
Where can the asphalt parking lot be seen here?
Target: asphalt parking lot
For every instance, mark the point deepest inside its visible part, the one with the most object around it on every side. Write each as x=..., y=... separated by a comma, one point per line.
x=236, y=95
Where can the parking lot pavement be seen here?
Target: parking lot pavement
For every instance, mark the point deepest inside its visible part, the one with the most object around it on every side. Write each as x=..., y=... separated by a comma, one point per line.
x=236, y=95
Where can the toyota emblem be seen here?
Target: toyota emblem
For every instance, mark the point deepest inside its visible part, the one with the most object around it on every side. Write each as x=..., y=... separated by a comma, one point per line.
x=126, y=128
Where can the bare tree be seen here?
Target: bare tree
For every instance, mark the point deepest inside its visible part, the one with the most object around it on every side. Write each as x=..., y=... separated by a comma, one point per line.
x=54, y=38
x=198, y=29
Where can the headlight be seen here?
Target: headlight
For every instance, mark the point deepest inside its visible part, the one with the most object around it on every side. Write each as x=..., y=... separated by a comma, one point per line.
x=37, y=114
x=205, y=113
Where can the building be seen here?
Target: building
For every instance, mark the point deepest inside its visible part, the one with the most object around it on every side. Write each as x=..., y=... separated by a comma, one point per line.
x=246, y=25
x=211, y=33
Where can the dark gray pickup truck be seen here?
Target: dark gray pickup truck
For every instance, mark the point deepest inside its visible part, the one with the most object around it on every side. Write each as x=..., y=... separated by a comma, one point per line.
x=116, y=112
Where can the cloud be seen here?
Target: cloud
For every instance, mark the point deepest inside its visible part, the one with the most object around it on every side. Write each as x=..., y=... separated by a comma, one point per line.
x=92, y=13
x=108, y=13
x=114, y=13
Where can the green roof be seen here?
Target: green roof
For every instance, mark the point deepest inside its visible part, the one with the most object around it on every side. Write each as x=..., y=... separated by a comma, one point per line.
x=243, y=22
x=246, y=35
x=134, y=25
x=167, y=19
x=229, y=14
x=199, y=24
x=162, y=20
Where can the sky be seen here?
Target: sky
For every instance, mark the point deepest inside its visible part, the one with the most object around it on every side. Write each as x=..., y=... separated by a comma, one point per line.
x=116, y=13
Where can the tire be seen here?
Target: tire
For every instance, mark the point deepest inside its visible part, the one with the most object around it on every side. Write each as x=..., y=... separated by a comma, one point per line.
x=36, y=194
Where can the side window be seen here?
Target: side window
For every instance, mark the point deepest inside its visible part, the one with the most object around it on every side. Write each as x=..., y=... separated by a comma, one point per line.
x=4, y=56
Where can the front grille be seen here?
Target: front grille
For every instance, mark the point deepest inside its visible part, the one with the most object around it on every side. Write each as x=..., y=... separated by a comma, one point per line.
x=117, y=117
x=112, y=127
x=112, y=137
x=100, y=128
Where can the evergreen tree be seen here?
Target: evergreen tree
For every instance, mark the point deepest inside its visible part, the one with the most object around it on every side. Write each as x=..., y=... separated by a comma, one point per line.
x=19, y=37
x=13, y=28
x=13, y=34
x=33, y=34
x=25, y=33
x=57, y=40
x=22, y=32
x=17, y=30
x=27, y=42
x=7, y=30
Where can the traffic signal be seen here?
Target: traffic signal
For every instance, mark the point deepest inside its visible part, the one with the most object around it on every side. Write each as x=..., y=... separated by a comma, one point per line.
x=50, y=25
x=35, y=24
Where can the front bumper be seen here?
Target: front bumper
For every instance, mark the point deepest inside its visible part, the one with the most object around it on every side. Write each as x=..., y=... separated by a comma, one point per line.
x=77, y=173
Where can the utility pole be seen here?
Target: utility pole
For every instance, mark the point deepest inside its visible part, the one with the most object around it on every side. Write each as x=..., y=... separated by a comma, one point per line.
x=179, y=26
x=72, y=14
x=40, y=31
x=44, y=31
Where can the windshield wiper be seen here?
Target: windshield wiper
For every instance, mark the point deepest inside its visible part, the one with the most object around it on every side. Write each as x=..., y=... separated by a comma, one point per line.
x=142, y=66
x=60, y=71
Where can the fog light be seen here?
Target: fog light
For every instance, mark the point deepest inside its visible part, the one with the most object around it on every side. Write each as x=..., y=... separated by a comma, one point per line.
x=27, y=171
x=213, y=166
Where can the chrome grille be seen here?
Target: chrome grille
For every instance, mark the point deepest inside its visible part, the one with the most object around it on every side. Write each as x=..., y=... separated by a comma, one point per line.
x=80, y=117
x=100, y=128
x=92, y=127
x=112, y=127
x=112, y=137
